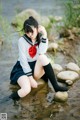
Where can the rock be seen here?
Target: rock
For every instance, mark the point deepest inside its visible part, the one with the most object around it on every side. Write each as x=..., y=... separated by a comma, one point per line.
x=24, y=15
x=50, y=97
x=40, y=82
x=21, y=17
x=72, y=66
x=68, y=75
x=61, y=84
x=52, y=47
x=58, y=18
x=57, y=68
x=61, y=96
x=69, y=82
x=41, y=89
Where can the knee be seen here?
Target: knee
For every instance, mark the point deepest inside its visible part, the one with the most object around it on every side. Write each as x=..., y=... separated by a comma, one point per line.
x=26, y=90
x=43, y=59
x=36, y=76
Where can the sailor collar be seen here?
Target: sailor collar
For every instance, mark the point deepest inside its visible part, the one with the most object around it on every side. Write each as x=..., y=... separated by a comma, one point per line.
x=29, y=40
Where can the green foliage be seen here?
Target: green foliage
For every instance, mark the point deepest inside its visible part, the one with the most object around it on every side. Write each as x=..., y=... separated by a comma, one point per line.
x=52, y=19
x=5, y=28
x=19, y=26
x=72, y=14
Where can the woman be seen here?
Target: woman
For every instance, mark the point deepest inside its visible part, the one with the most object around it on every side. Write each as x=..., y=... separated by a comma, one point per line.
x=32, y=63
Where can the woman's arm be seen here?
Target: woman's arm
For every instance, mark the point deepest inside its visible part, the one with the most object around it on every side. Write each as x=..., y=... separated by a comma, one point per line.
x=23, y=57
x=44, y=40
x=24, y=63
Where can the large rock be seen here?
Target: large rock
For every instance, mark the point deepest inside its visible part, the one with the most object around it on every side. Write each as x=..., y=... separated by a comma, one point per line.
x=72, y=66
x=21, y=17
x=68, y=75
x=57, y=68
x=61, y=96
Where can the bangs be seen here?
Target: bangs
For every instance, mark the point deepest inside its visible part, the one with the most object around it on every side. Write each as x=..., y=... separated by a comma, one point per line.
x=28, y=29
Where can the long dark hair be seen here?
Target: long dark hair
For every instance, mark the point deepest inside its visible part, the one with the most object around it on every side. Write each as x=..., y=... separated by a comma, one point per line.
x=31, y=21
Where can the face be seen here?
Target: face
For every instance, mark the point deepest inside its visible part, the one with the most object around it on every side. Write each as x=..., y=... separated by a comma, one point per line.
x=33, y=34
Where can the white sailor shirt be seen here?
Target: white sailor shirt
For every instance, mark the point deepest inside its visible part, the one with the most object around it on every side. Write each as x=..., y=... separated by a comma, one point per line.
x=29, y=52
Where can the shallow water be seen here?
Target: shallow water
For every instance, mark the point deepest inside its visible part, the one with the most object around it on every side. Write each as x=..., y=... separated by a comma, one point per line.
x=35, y=106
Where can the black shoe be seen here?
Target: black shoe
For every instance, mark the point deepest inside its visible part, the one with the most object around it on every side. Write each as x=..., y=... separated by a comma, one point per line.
x=62, y=89
x=14, y=96
x=51, y=76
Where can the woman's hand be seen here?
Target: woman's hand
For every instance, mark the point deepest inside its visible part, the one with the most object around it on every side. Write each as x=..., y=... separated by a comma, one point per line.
x=42, y=30
x=33, y=82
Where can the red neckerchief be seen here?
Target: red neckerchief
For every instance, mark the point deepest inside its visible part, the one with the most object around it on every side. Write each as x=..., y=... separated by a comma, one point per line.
x=32, y=51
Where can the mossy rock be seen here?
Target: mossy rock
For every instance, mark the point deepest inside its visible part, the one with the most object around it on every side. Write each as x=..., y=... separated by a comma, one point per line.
x=21, y=17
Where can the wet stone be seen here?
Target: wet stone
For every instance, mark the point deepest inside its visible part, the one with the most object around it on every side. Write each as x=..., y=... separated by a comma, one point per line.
x=68, y=75
x=72, y=66
x=61, y=96
x=69, y=82
x=57, y=68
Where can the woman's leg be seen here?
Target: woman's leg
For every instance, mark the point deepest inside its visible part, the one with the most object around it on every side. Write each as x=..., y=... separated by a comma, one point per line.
x=33, y=82
x=24, y=83
x=48, y=70
x=38, y=70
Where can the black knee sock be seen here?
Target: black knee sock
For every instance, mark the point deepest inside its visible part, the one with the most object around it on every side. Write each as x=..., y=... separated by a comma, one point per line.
x=44, y=77
x=14, y=96
x=50, y=74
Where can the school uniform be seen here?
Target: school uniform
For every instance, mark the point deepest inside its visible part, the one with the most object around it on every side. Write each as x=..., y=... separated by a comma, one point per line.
x=28, y=55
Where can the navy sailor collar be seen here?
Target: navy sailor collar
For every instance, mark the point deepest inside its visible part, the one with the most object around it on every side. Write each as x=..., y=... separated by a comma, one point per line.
x=29, y=40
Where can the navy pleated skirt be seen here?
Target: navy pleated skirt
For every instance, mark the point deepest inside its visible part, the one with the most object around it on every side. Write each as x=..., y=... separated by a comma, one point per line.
x=17, y=72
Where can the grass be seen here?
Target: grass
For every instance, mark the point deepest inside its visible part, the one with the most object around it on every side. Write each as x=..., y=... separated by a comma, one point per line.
x=72, y=14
